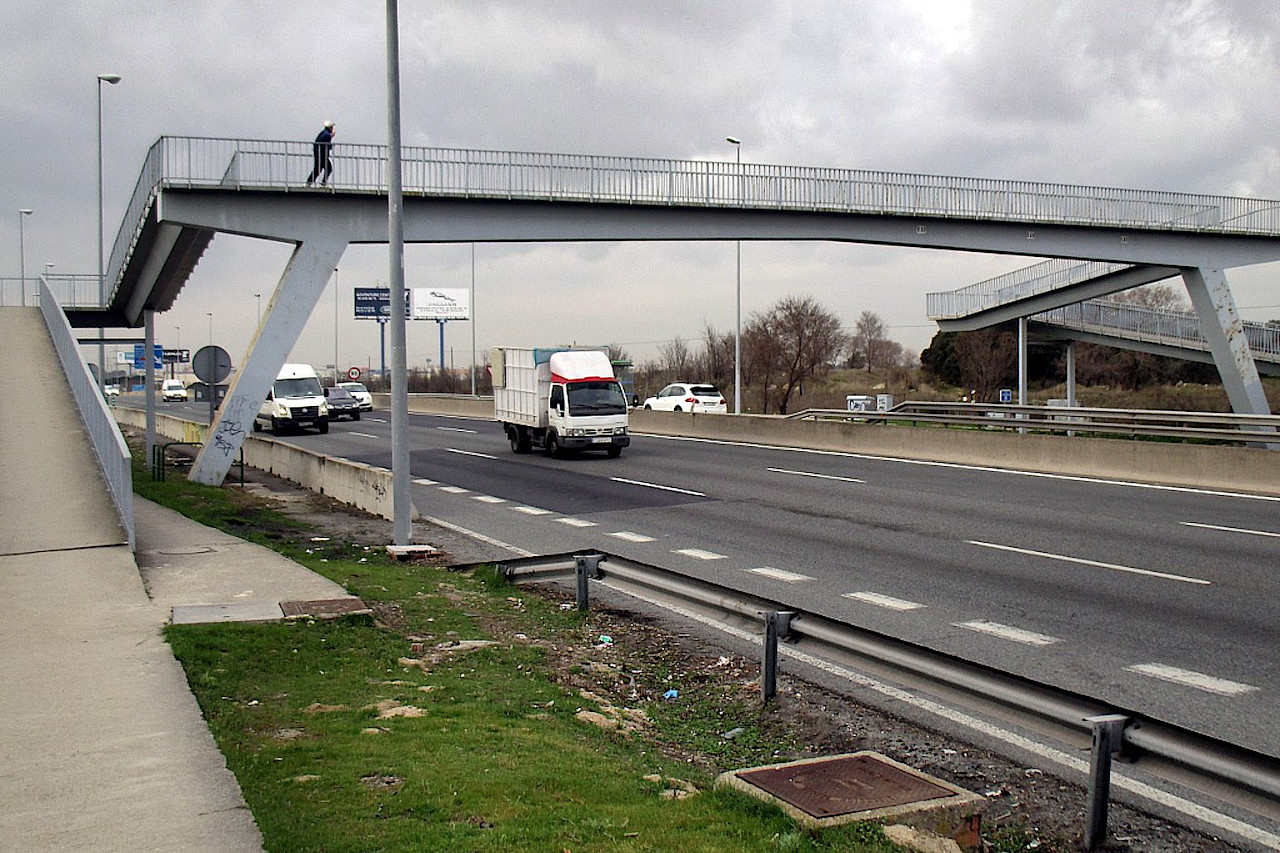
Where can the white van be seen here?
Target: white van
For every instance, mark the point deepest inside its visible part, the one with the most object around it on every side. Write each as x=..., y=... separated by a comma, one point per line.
x=295, y=400
x=172, y=390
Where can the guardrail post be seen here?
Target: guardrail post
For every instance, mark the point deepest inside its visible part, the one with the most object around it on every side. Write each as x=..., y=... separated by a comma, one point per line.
x=1108, y=737
x=777, y=623
x=585, y=566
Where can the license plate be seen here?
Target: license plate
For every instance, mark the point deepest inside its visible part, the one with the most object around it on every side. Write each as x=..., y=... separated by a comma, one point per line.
x=604, y=439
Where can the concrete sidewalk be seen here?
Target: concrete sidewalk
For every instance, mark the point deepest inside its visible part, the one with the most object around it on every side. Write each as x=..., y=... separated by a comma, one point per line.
x=103, y=746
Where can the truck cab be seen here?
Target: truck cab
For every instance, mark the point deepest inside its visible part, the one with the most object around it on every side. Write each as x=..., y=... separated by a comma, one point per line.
x=561, y=400
x=296, y=400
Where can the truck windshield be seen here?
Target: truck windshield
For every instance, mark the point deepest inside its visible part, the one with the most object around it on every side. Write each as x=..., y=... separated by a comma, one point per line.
x=307, y=386
x=596, y=398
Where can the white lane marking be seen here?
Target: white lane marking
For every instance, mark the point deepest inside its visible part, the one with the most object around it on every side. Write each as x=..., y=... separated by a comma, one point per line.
x=469, y=453
x=519, y=552
x=456, y=429
x=576, y=522
x=962, y=467
x=1084, y=562
x=628, y=536
x=363, y=435
x=488, y=499
x=816, y=476
x=656, y=486
x=1188, y=678
x=1006, y=632
x=699, y=554
x=884, y=600
x=532, y=510
x=1063, y=759
x=426, y=482
x=1230, y=529
x=376, y=420
x=454, y=490
x=779, y=574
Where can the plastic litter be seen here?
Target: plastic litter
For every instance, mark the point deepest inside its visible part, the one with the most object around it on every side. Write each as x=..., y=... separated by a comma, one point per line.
x=671, y=695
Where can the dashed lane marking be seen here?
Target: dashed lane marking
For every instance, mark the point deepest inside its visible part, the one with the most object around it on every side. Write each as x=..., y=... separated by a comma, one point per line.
x=454, y=490
x=532, y=510
x=469, y=453
x=628, y=536
x=1080, y=560
x=426, y=482
x=883, y=600
x=1006, y=632
x=576, y=522
x=816, y=476
x=363, y=435
x=779, y=574
x=699, y=554
x=657, y=486
x=1230, y=529
x=1188, y=678
x=456, y=429
x=488, y=499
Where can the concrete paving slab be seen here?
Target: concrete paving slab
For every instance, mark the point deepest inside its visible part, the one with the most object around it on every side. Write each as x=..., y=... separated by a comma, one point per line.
x=197, y=614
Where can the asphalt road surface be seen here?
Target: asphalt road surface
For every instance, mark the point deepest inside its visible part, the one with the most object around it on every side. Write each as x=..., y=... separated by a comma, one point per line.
x=1155, y=599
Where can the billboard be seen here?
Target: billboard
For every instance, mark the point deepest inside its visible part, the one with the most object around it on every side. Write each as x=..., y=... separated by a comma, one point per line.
x=374, y=303
x=438, y=303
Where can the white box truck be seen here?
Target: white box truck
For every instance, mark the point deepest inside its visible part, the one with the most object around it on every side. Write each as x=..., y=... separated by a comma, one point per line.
x=558, y=399
x=294, y=401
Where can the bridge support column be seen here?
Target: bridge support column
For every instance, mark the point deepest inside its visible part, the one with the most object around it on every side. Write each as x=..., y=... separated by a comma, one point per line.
x=301, y=286
x=1220, y=324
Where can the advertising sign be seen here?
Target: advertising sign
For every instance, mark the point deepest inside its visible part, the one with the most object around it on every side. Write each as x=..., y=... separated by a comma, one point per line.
x=374, y=303
x=438, y=303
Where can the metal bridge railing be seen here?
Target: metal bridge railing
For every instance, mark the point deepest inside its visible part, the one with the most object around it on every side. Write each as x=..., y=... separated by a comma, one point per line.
x=1172, y=328
x=242, y=164
x=1018, y=284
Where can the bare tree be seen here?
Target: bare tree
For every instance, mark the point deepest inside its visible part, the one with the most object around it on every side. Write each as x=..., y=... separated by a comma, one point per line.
x=676, y=357
x=1161, y=297
x=792, y=342
x=986, y=358
x=716, y=361
x=870, y=346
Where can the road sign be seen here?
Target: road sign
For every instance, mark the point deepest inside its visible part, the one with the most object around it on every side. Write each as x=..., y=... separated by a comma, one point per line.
x=211, y=364
x=140, y=359
x=353, y=373
x=1006, y=395
x=177, y=356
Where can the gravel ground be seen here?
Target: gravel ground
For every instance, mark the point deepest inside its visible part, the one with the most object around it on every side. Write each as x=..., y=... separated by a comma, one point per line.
x=1029, y=807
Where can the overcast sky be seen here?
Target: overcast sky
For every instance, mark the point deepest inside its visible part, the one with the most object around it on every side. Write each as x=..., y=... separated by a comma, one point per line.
x=1150, y=94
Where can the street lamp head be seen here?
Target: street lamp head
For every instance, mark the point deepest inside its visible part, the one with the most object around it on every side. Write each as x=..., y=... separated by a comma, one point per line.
x=110, y=78
x=733, y=140
x=26, y=211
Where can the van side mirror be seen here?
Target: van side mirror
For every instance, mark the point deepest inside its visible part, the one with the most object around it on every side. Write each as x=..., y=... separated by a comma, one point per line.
x=326, y=392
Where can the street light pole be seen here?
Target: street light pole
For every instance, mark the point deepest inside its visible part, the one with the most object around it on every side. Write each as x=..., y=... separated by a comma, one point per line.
x=102, y=284
x=258, y=296
x=737, y=322
x=335, y=326
x=22, y=253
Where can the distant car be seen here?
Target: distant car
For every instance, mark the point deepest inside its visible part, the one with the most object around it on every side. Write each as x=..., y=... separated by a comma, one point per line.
x=361, y=393
x=342, y=404
x=111, y=392
x=688, y=397
x=173, y=391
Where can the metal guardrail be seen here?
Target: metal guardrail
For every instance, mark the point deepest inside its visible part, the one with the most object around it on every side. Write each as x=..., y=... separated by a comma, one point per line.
x=1210, y=758
x=104, y=434
x=1126, y=423
x=239, y=164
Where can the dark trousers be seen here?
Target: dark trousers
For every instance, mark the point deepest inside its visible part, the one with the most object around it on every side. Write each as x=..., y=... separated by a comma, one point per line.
x=320, y=155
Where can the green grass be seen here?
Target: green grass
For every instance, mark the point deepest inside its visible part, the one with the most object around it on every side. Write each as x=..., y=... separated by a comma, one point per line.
x=494, y=757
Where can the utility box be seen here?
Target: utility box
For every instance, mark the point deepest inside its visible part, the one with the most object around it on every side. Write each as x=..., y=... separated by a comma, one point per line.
x=884, y=402
x=860, y=403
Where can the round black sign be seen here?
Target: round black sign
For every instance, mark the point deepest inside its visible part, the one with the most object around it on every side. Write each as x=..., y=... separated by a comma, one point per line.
x=211, y=364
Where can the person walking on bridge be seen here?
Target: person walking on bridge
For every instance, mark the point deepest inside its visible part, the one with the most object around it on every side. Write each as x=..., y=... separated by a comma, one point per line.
x=320, y=155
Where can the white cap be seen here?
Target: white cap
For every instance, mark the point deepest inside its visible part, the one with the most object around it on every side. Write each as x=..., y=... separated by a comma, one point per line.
x=328, y=124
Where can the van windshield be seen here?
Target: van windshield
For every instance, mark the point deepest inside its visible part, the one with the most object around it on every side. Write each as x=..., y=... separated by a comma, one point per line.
x=596, y=398
x=307, y=386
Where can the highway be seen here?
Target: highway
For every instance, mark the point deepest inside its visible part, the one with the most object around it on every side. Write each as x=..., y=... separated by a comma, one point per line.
x=1155, y=599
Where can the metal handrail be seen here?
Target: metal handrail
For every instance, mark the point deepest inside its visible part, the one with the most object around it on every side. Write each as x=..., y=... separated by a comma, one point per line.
x=243, y=164
x=1128, y=423
x=1163, y=326
x=1212, y=758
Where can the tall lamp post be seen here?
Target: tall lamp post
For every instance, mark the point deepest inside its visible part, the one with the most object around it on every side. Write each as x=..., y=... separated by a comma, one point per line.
x=22, y=253
x=48, y=271
x=737, y=321
x=258, y=296
x=336, y=380
x=102, y=282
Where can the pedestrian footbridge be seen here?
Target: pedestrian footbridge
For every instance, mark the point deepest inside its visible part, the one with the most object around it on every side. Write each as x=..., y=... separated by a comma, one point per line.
x=191, y=189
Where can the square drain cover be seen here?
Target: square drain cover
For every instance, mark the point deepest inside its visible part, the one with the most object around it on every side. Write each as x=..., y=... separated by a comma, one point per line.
x=844, y=785
x=327, y=609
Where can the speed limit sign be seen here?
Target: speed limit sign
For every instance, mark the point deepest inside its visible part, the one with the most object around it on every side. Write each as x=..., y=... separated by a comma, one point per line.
x=353, y=373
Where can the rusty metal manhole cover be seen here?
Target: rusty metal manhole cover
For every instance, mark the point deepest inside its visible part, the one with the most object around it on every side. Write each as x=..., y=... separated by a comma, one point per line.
x=843, y=785
x=327, y=609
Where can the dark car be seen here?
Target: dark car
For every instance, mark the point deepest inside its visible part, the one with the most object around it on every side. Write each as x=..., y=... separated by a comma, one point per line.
x=342, y=404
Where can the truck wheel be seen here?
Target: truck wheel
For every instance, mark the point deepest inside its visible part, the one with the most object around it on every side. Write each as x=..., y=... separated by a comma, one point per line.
x=614, y=452
x=257, y=425
x=648, y=408
x=519, y=440
x=553, y=446
x=356, y=416
x=323, y=426
x=275, y=426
